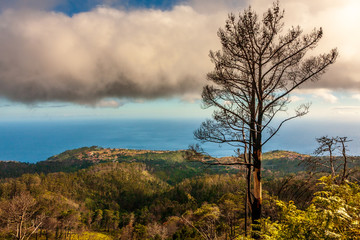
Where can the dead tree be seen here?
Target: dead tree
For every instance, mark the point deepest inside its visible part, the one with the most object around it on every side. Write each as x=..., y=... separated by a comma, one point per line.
x=20, y=214
x=327, y=145
x=330, y=157
x=254, y=73
x=343, y=148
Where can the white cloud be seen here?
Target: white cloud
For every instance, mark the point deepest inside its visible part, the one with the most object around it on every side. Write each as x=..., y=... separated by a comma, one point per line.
x=340, y=20
x=356, y=96
x=146, y=54
x=105, y=103
x=326, y=95
x=294, y=98
x=348, y=110
x=105, y=53
x=191, y=98
x=211, y=6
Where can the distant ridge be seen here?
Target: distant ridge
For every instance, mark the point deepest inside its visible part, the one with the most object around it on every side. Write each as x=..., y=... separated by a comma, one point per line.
x=170, y=166
x=281, y=154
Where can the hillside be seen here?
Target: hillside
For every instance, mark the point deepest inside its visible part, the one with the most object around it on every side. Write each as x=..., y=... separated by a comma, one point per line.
x=108, y=198
x=97, y=193
x=170, y=166
x=285, y=155
x=283, y=162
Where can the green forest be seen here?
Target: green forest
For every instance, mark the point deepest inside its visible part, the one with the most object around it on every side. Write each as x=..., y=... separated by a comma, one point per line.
x=96, y=193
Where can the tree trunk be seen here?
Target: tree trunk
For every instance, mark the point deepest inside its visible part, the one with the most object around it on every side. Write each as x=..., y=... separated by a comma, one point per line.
x=345, y=159
x=257, y=202
x=247, y=197
x=247, y=158
x=332, y=163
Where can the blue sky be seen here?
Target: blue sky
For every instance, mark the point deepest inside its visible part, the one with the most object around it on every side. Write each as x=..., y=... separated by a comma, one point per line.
x=71, y=7
x=148, y=59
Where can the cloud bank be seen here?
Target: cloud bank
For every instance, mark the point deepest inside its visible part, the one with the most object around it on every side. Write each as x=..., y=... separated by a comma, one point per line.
x=145, y=53
x=339, y=20
x=46, y=56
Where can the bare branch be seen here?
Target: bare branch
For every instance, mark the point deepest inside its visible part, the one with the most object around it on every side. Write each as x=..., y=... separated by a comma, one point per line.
x=299, y=112
x=254, y=73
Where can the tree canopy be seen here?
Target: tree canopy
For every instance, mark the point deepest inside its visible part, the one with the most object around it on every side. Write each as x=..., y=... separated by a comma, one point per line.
x=254, y=73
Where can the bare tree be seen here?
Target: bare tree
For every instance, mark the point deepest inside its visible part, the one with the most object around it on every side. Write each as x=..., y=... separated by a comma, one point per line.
x=20, y=214
x=253, y=75
x=326, y=159
x=327, y=145
x=343, y=148
x=157, y=231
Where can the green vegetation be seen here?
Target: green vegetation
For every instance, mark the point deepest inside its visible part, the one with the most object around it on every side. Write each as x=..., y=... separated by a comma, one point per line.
x=334, y=213
x=101, y=193
x=169, y=166
x=283, y=162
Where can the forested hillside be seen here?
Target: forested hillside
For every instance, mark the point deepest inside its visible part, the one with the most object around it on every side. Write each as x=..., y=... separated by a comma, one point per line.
x=171, y=166
x=96, y=193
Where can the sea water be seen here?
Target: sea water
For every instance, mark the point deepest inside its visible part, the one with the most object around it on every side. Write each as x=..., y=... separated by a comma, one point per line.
x=33, y=141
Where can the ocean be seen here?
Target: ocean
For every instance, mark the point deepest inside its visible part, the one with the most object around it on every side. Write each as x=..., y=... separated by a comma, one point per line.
x=33, y=141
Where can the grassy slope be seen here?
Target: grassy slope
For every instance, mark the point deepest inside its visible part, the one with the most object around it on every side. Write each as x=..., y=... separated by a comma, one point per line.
x=170, y=166
x=283, y=162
